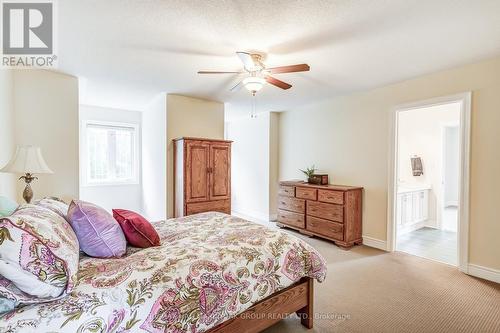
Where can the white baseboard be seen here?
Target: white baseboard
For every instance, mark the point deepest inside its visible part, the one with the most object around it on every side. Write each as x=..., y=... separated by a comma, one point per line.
x=374, y=242
x=486, y=273
x=250, y=215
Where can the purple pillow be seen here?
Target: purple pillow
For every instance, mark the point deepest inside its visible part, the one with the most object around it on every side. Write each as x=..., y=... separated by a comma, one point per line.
x=98, y=232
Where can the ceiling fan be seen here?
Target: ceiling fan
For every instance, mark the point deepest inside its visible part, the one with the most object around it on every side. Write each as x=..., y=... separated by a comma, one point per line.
x=259, y=74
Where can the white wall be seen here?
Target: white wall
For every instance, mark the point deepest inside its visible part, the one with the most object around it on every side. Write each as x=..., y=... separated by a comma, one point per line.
x=154, y=159
x=112, y=196
x=46, y=115
x=7, y=145
x=190, y=117
x=273, y=164
x=250, y=165
x=451, y=165
x=421, y=133
x=255, y=163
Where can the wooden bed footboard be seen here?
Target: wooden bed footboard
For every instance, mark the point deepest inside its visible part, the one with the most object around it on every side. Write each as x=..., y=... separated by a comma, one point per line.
x=297, y=298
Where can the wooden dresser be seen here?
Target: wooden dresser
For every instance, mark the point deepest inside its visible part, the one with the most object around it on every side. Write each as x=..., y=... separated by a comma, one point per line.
x=328, y=211
x=202, y=176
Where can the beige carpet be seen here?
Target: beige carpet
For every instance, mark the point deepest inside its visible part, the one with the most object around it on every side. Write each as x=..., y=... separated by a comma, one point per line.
x=368, y=290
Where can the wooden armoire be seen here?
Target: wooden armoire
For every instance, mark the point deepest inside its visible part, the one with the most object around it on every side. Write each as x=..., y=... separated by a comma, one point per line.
x=202, y=176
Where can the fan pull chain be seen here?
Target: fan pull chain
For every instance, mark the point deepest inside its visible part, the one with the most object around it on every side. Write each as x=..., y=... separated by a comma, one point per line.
x=253, y=112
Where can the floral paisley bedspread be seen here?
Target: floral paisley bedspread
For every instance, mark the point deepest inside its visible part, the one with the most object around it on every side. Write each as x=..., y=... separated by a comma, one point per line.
x=209, y=268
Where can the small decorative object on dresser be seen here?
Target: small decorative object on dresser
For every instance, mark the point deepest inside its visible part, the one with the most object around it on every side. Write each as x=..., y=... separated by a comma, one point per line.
x=328, y=211
x=309, y=173
x=318, y=179
x=202, y=176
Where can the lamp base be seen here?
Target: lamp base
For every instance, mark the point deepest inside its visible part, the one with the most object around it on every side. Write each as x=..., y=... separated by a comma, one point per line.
x=28, y=192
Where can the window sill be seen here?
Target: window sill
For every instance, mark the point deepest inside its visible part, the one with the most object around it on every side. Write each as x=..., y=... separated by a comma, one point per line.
x=116, y=184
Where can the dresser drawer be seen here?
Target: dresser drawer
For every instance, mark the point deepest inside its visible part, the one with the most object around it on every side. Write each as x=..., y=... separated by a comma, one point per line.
x=287, y=191
x=326, y=211
x=223, y=206
x=293, y=219
x=335, y=197
x=292, y=204
x=306, y=193
x=326, y=228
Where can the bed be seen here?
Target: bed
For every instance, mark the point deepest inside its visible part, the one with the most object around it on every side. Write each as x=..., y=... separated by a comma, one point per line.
x=212, y=273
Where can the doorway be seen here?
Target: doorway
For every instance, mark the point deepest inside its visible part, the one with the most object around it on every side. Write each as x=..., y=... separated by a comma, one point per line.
x=429, y=180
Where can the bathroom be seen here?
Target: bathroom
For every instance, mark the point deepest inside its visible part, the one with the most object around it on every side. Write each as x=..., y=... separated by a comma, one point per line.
x=428, y=150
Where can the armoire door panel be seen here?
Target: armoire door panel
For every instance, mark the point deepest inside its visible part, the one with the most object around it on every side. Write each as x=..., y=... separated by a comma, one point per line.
x=220, y=184
x=197, y=164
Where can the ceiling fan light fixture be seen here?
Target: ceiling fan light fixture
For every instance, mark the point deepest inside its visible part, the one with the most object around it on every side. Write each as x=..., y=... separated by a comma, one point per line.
x=254, y=83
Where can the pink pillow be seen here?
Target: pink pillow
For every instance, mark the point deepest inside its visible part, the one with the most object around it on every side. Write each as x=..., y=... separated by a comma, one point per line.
x=98, y=232
x=138, y=231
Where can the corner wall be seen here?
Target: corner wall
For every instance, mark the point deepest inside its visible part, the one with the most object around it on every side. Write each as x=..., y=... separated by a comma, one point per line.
x=189, y=117
x=46, y=115
x=154, y=159
x=254, y=170
x=7, y=146
x=273, y=164
x=250, y=165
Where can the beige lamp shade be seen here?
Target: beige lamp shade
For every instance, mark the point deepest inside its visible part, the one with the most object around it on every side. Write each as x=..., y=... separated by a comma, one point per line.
x=27, y=159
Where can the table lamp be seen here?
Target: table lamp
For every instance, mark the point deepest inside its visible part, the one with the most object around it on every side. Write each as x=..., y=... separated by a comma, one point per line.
x=27, y=160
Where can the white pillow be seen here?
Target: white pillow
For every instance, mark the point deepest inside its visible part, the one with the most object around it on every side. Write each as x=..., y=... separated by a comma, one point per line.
x=39, y=255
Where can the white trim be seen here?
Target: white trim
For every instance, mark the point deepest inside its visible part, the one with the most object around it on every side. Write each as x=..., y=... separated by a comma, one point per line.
x=486, y=273
x=250, y=215
x=463, y=210
x=392, y=191
x=374, y=242
x=253, y=214
x=463, y=191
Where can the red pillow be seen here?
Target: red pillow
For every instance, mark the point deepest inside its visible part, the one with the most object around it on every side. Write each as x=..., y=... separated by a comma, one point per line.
x=138, y=231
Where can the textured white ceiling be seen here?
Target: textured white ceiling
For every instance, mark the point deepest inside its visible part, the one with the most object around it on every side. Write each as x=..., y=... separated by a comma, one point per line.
x=127, y=51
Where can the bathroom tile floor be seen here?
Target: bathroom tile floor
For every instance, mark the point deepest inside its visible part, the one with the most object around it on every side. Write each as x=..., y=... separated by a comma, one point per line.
x=439, y=245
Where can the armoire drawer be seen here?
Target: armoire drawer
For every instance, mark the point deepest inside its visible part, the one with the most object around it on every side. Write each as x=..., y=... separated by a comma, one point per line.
x=326, y=211
x=293, y=219
x=335, y=197
x=223, y=206
x=287, y=191
x=324, y=227
x=306, y=193
x=292, y=204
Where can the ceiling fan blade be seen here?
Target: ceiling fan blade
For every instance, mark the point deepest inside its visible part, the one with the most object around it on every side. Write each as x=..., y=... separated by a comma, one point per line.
x=237, y=86
x=289, y=69
x=246, y=59
x=278, y=83
x=218, y=72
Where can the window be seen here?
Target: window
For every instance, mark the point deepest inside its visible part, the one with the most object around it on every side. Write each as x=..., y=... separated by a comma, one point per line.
x=110, y=153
